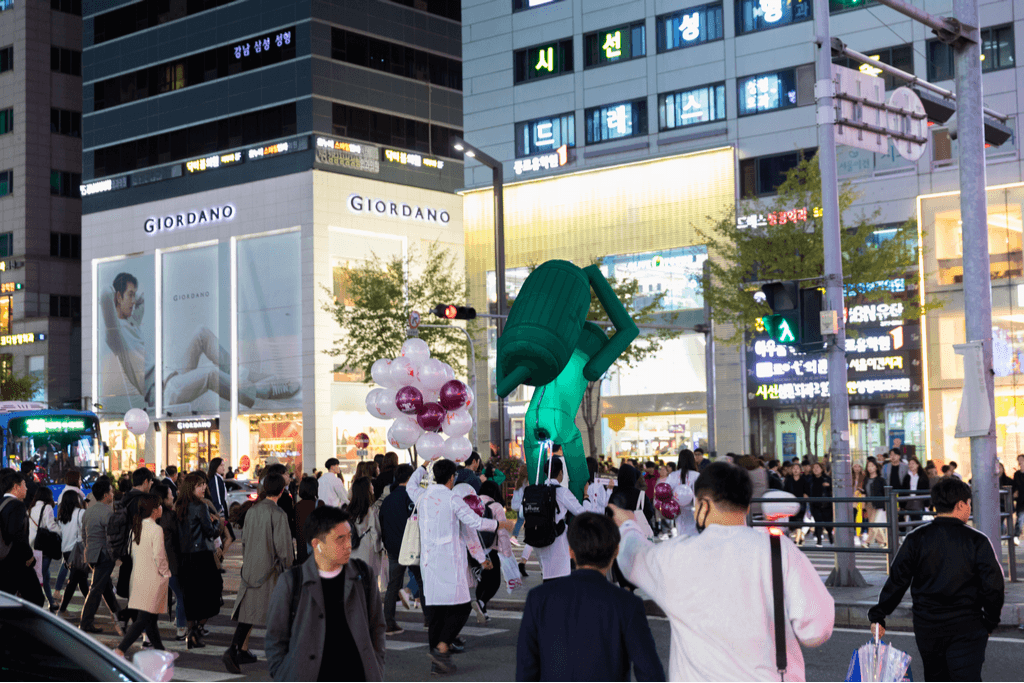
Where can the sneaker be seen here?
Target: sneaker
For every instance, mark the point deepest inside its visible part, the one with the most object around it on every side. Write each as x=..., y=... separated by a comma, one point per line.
x=442, y=661
x=394, y=630
x=818, y=544
x=203, y=631
x=405, y=597
x=91, y=628
x=275, y=391
x=515, y=541
x=182, y=634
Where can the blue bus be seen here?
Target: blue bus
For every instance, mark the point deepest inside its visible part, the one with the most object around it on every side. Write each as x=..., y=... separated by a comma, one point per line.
x=55, y=440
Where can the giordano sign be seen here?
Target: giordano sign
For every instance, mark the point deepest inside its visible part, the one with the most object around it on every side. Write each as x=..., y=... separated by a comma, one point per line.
x=189, y=219
x=384, y=208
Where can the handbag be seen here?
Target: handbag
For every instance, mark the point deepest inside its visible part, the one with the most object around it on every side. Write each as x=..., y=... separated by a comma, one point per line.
x=47, y=542
x=409, y=554
x=640, y=518
x=76, y=560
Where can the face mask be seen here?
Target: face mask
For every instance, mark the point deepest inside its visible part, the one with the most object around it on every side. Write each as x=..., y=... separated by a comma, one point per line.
x=702, y=525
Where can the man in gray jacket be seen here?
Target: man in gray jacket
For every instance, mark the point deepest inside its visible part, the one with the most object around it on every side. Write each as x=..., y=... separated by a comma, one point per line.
x=327, y=599
x=267, y=553
x=99, y=556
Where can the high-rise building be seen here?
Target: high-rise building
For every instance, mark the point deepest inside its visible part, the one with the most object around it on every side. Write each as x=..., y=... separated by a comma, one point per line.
x=40, y=209
x=624, y=126
x=238, y=156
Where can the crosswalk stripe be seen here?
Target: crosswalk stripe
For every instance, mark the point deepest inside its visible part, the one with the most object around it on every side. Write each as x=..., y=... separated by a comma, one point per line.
x=183, y=674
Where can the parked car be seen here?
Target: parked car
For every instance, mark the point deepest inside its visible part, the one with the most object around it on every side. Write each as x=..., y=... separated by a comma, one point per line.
x=38, y=646
x=239, y=492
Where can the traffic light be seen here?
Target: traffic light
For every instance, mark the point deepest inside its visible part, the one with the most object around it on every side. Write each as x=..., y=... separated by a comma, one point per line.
x=796, y=315
x=943, y=112
x=453, y=312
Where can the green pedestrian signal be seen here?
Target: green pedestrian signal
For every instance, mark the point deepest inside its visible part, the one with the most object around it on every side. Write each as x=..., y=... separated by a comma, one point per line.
x=783, y=328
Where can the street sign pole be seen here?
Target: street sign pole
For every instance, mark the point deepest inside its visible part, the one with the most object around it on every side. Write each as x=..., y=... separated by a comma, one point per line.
x=977, y=280
x=845, y=572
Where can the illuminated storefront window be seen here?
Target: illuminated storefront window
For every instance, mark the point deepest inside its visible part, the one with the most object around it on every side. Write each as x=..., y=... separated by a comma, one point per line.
x=767, y=92
x=127, y=450
x=276, y=438
x=191, y=444
x=5, y=315
x=648, y=437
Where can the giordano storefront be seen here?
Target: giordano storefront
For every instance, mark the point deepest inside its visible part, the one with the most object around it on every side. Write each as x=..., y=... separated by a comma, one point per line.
x=939, y=218
x=640, y=221
x=207, y=311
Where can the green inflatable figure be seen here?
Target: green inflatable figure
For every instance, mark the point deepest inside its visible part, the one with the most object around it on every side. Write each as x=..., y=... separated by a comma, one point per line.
x=549, y=344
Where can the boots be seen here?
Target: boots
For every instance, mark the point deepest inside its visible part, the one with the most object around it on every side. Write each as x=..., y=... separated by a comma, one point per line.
x=441, y=662
x=194, y=639
x=230, y=659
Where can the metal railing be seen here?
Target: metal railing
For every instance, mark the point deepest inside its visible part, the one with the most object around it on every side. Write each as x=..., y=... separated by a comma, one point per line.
x=897, y=521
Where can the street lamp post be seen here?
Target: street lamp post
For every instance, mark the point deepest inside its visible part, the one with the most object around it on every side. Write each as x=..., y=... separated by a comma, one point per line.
x=498, y=175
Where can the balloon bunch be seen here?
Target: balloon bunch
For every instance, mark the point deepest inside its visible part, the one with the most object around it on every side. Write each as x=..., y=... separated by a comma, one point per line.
x=664, y=502
x=423, y=397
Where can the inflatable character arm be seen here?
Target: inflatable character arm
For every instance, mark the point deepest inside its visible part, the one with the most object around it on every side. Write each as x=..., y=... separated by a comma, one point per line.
x=625, y=329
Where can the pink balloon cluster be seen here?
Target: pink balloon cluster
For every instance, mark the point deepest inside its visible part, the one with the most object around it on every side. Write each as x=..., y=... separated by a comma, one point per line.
x=425, y=400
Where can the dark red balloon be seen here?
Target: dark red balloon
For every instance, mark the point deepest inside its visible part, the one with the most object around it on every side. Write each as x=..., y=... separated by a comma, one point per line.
x=430, y=417
x=670, y=509
x=475, y=504
x=453, y=395
x=409, y=400
x=362, y=440
x=663, y=491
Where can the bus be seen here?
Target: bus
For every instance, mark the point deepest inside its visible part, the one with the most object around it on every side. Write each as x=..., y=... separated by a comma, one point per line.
x=55, y=440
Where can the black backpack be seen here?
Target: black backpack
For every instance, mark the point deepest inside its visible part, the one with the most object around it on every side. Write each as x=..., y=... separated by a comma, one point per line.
x=540, y=506
x=487, y=537
x=118, y=531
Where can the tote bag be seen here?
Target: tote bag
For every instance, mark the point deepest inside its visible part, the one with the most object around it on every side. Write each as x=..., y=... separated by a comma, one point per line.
x=409, y=554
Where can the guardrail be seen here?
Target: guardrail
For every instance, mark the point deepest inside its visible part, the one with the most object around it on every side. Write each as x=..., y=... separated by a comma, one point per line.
x=893, y=523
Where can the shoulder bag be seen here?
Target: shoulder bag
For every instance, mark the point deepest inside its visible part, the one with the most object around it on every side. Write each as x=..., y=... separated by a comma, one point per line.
x=409, y=554
x=47, y=542
x=780, y=608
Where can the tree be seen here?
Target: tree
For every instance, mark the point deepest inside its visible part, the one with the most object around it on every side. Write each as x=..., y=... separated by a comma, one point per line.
x=17, y=387
x=372, y=302
x=646, y=345
x=788, y=246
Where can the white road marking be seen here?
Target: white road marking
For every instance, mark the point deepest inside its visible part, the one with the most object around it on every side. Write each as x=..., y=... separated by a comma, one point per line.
x=182, y=674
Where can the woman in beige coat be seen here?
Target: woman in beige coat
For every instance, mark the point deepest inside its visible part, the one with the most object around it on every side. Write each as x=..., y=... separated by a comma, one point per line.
x=150, y=574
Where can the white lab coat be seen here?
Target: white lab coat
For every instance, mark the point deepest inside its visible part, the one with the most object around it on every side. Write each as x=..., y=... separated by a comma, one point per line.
x=727, y=632
x=332, y=490
x=443, y=516
x=554, y=559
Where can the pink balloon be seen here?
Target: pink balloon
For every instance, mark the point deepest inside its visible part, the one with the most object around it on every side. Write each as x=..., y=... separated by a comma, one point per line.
x=430, y=417
x=670, y=509
x=475, y=504
x=409, y=400
x=453, y=395
x=662, y=491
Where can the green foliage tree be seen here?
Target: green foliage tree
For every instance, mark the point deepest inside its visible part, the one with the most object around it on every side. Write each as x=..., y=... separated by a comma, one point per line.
x=17, y=387
x=742, y=257
x=373, y=303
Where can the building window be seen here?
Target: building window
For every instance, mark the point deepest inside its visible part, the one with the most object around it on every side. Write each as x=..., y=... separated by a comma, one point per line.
x=997, y=53
x=6, y=183
x=518, y=5
x=62, y=306
x=66, y=61
x=6, y=59
x=66, y=122
x=37, y=370
x=65, y=245
x=693, y=26
x=545, y=135
x=392, y=130
x=690, y=107
x=5, y=315
x=615, y=121
x=6, y=244
x=767, y=92
x=220, y=62
x=139, y=16
x=763, y=175
x=400, y=60
x=541, y=61
x=758, y=15
x=6, y=121
x=65, y=184
x=6, y=5
x=449, y=9
x=900, y=56
x=67, y=6
x=614, y=45
x=195, y=141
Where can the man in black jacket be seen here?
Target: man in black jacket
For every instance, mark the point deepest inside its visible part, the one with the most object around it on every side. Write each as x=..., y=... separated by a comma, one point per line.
x=582, y=627
x=16, y=573
x=394, y=513
x=956, y=584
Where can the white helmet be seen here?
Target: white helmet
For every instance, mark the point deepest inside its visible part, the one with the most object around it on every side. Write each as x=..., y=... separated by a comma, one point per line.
x=787, y=505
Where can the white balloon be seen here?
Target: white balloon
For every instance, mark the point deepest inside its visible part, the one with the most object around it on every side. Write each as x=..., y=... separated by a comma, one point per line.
x=429, y=446
x=404, y=432
x=457, y=448
x=415, y=349
x=457, y=424
x=371, y=402
x=431, y=374
x=431, y=396
x=137, y=421
x=401, y=372
x=385, y=404
x=449, y=373
x=787, y=505
x=683, y=495
x=470, y=399
x=380, y=371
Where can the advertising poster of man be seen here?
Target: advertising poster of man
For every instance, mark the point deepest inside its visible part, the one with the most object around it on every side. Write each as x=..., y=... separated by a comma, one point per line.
x=127, y=332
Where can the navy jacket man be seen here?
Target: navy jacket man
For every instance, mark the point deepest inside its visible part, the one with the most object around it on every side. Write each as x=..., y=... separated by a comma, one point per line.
x=582, y=627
